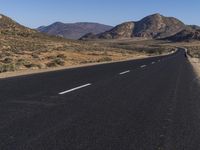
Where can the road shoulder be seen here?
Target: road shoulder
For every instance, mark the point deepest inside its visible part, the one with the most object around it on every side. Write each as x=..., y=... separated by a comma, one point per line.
x=196, y=65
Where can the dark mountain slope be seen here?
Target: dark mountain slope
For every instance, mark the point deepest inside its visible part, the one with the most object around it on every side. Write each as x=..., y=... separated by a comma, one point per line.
x=185, y=35
x=73, y=30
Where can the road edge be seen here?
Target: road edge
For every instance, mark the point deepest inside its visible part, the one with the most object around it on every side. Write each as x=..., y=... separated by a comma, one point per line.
x=196, y=66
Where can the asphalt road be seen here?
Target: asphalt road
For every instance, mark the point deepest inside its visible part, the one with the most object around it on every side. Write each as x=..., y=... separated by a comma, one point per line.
x=146, y=104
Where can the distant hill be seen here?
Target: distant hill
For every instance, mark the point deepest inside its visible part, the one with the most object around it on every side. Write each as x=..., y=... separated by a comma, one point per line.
x=195, y=27
x=151, y=27
x=188, y=34
x=73, y=30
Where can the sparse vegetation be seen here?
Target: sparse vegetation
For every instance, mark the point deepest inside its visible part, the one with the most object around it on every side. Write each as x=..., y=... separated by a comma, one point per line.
x=7, y=67
x=194, y=51
x=56, y=62
x=104, y=59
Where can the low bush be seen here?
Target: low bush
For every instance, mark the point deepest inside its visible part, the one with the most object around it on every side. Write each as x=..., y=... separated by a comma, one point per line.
x=8, y=60
x=104, y=59
x=56, y=62
x=7, y=67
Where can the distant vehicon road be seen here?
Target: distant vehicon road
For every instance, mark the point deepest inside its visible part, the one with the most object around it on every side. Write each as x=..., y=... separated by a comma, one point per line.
x=143, y=104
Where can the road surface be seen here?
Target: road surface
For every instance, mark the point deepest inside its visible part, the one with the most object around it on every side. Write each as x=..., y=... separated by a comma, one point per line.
x=146, y=104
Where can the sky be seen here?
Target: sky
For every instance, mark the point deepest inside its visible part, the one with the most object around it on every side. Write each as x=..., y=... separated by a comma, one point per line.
x=35, y=13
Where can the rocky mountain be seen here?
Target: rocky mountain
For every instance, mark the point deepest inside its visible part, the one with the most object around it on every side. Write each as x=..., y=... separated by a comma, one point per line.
x=188, y=34
x=73, y=30
x=151, y=27
x=124, y=30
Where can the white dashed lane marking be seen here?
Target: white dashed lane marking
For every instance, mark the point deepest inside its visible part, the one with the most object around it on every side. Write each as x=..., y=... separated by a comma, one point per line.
x=76, y=88
x=125, y=72
x=143, y=66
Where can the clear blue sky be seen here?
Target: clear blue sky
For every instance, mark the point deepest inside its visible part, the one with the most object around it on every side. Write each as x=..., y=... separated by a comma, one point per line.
x=34, y=13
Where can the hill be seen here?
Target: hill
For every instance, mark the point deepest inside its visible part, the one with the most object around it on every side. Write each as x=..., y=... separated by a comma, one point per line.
x=151, y=27
x=195, y=27
x=10, y=27
x=188, y=34
x=73, y=30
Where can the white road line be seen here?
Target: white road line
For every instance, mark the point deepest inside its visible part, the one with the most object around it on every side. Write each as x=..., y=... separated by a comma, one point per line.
x=153, y=63
x=79, y=87
x=143, y=66
x=124, y=72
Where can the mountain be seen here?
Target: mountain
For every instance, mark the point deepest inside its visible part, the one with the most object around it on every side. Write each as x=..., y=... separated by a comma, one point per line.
x=188, y=34
x=158, y=26
x=73, y=30
x=151, y=27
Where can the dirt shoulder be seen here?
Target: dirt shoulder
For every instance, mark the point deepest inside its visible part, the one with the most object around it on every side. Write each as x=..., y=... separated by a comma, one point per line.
x=196, y=64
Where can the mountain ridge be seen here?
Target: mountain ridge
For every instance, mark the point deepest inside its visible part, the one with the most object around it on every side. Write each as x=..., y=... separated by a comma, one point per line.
x=73, y=30
x=151, y=27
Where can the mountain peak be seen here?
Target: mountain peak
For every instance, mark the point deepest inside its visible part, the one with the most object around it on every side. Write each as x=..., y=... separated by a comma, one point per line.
x=153, y=17
x=157, y=15
x=58, y=23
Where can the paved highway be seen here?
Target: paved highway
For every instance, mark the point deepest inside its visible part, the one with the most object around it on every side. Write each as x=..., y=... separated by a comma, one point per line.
x=146, y=104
